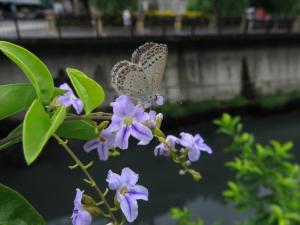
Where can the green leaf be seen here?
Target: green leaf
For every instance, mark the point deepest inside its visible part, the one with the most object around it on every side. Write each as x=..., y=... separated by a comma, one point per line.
x=17, y=140
x=14, y=98
x=35, y=70
x=58, y=92
x=38, y=128
x=16, y=210
x=78, y=129
x=88, y=90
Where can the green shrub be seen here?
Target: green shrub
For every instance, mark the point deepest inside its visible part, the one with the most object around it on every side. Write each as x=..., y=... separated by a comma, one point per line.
x=266, y=179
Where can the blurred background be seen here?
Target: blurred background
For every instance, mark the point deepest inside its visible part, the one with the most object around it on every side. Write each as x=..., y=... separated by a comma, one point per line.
x=238, y=56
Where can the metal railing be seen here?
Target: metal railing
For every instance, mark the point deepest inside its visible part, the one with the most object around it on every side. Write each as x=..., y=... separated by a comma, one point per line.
x=87, y=27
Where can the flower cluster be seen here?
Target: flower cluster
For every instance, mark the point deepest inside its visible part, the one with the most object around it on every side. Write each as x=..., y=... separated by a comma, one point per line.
x=131, y=120
x=127, y=194
x=127, y=120
x=193, y=144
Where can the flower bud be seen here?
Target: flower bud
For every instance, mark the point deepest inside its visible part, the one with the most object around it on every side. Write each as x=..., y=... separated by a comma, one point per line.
x=188, y=163
x=94, y=210
x=103, y=125
x=157, y=132
x=161, y=139
x=88, y=200
x=181, y=172
x=182, y=150
x=114, y=152
x=196, y=175
x=158, y=119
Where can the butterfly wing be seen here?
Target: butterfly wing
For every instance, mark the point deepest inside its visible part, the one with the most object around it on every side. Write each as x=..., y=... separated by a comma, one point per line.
x=116, y=68
x=130, y=79
x=152, y=58
x=137, y=54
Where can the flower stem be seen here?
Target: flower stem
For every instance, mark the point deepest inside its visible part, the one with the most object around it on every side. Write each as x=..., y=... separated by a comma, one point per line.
x=88, y=176
x=11, y=138
x=92, y=116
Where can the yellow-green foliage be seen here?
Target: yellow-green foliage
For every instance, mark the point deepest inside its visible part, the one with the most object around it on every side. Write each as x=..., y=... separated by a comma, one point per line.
x=266, y=179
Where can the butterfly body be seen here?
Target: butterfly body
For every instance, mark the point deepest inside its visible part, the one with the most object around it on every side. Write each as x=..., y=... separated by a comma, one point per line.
x=141, y=77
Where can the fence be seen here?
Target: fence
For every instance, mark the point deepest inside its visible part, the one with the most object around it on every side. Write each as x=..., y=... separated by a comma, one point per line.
x=87, y=27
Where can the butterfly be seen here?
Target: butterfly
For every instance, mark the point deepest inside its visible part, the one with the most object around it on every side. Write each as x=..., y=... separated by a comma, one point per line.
x=141, y=77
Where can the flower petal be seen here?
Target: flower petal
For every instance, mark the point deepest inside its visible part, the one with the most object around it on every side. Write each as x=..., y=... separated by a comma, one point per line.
x=65, y=100
x=78, y=197
x=158, y=149
x=141, y=132
x=151, y=119
x=172, y=140
x=65, y=87
x=206, y=148
x=77, y=105
x=194, y=154
x=122, y=137
x=90, y=145
x=129, y=177
x=81, y=217
x=186, y=140
x=139, y=114
x=198, y=139
x=123, y=106
x=138, y=192
x=115, y=125
x=129, y=207
x=110, y=138
x=114, y=180
x=161, y=149
x=103, y=151
x=159, y=100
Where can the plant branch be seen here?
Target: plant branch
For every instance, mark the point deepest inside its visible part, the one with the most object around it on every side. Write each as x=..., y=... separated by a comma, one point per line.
x=88, y=176
x=11, y=138
x=92, y=116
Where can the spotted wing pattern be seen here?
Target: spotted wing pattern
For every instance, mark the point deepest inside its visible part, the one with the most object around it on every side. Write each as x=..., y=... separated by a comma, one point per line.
x=116, y=68
x=130, y=79
x=136, y=55
x=153, y=62
x=141, y=77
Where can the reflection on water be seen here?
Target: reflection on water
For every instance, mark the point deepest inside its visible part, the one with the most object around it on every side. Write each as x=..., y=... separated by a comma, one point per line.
x=50, y=186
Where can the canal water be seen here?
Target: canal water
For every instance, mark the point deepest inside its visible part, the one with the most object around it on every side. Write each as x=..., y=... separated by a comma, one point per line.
x=50, y=186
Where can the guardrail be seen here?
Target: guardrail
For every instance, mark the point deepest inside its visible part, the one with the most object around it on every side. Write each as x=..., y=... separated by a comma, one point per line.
x=97, y=27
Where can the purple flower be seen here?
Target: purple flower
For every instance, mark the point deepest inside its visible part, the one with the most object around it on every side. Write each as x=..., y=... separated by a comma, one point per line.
x=151, y=119
x=103, y=143
x=127, y=191
x=128, y=120
x=159, y=99
x=195, y=144
x=80, y=216
x=163, y=149
x=69, y=99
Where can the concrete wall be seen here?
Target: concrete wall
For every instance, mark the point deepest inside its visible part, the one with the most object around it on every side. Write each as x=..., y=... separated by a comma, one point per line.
x=193, y=72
